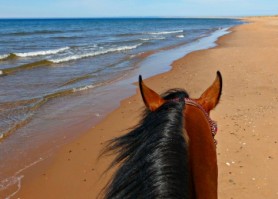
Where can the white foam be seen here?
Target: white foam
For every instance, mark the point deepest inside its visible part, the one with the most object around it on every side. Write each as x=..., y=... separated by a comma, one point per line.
x=84, y=88
x=1, y=73
x=92, y=54
x=180, y=36
x=4, y=56
x=160, y=38
x=11, y=182
x=16, y=179
x=153, y=38
x=44, y=52
x=165, y=32
x=145, y=39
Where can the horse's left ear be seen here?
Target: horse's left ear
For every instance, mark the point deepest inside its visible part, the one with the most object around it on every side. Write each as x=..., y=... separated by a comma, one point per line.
x=151, y=99
x=210, y=98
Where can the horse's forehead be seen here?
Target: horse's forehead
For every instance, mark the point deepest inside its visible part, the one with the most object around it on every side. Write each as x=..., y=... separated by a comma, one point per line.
x=192, y=112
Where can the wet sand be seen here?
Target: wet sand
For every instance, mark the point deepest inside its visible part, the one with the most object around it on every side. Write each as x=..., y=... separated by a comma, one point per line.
x=247, y=121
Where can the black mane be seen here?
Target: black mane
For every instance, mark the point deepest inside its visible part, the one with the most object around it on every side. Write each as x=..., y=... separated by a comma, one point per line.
x=153, y=157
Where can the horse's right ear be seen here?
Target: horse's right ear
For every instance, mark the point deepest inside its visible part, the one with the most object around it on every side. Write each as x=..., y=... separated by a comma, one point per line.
x=151, y=99
x=210, y=98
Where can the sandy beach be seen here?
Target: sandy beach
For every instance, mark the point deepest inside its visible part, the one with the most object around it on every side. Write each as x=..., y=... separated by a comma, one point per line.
x=246, y=116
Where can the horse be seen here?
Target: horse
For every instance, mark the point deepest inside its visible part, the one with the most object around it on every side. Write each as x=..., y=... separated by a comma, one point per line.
x=171, y=153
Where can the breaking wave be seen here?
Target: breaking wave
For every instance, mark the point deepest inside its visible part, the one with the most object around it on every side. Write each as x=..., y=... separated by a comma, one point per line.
x=11, y=56
x=4, y=56
x=7, y=71
x=165, y=32
x=92, y=54
x=43, y=52
x=149, y=33
x=153, y=38
x=180, y=36
x=8, y=57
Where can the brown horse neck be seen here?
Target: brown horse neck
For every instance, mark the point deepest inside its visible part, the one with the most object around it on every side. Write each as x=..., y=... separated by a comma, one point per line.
x=202, y=154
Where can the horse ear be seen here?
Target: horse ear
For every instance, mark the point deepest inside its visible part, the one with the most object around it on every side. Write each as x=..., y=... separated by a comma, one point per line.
x=210, y=98
x=151, y=99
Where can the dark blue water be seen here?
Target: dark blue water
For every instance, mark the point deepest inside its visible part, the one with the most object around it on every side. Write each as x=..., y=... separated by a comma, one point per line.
x=51, y=67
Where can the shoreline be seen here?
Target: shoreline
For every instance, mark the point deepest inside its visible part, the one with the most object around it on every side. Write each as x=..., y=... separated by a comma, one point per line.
x=77, y=163
x=121, y=89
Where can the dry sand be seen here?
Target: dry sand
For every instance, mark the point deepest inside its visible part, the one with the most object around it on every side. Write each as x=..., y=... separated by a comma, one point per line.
x=247, y=121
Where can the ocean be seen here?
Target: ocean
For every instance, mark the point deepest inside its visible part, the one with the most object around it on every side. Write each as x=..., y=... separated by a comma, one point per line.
x=62, y=72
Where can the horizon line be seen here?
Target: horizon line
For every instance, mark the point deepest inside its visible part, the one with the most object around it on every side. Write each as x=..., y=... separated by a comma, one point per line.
x=138, y=17
x=146, y=17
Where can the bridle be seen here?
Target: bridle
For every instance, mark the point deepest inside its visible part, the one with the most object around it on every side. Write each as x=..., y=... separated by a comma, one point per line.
x=212, y=124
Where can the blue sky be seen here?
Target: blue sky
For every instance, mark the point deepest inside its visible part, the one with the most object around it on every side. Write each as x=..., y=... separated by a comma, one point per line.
x=136, y=8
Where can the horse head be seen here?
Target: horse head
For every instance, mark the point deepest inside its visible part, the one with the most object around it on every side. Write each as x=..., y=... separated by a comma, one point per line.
x=200, y=131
